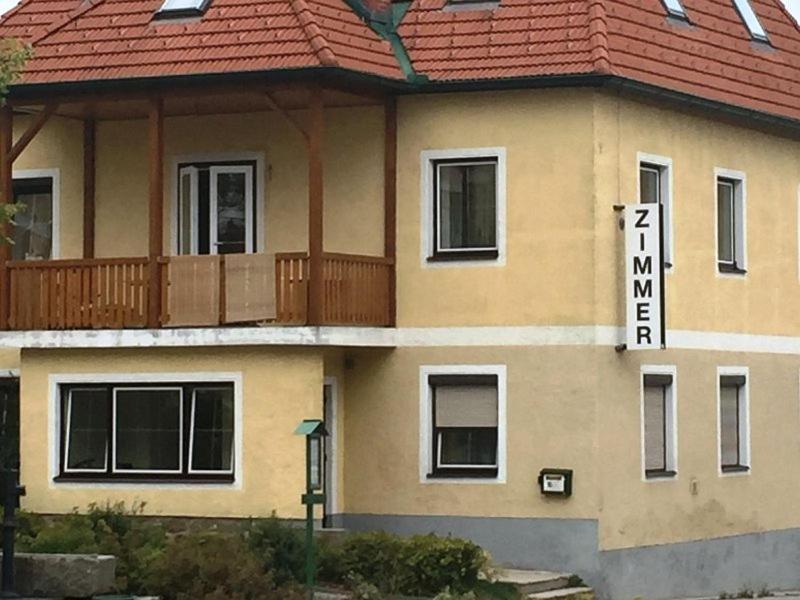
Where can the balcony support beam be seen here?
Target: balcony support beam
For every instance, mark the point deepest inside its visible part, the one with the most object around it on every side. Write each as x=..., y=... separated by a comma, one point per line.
x=390, y=202
x=30, y=133
x=89, y=138
x=156, y=207
x=316, y=132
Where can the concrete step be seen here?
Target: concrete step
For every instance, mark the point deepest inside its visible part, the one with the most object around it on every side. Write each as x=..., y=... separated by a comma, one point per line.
x=574, y=593
x=531, y=582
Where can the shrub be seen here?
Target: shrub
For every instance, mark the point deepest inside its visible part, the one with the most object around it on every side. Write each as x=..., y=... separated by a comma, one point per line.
x=281, y=548
x=212, y=566
x=417, y=566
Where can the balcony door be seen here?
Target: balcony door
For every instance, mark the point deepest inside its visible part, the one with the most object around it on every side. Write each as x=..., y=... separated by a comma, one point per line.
x=216, y=208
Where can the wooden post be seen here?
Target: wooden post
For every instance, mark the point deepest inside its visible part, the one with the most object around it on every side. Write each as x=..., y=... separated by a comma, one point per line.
x=316, y=132
x=390, y=202
x=156, y=207
x=88, y=187
x=6, y=197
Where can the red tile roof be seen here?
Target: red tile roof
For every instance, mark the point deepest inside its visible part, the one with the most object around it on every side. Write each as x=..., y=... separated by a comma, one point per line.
x=118, y=39
x=712, y=56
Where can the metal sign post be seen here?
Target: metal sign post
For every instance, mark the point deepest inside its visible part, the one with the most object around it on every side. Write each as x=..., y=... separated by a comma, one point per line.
x=314, y=432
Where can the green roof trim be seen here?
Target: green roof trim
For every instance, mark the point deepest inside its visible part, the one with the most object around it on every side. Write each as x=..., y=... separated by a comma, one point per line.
x=310, y=427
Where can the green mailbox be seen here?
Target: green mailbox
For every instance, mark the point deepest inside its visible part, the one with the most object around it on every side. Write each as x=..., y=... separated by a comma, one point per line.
x=314, y=432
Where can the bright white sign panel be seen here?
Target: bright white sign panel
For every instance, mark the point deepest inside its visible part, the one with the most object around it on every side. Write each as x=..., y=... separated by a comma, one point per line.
x=643, y=277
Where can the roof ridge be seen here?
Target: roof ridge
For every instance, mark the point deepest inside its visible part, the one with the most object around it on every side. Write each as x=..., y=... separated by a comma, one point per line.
x=85, y=6
x=319, y=44
x=598, y=37
x=786, y=13
x=14, y=10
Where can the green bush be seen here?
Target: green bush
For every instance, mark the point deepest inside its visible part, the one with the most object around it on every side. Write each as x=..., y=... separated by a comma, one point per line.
x=281, y=548
x=212, y=566
x=423, y=565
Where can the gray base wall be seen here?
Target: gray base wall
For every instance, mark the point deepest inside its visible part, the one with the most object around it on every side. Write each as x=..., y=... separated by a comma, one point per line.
x=690, y=569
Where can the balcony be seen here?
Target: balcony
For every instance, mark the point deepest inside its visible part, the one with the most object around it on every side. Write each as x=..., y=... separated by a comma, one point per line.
x=196, y=291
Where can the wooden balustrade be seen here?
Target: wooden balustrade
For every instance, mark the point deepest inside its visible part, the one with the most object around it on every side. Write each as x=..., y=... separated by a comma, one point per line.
x=109, y=293
x=113, y=293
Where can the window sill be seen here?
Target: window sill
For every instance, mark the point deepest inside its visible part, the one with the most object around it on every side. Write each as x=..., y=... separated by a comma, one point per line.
x=477, y=474
x=148, y=480
x=735, y=469
x=730, y=269
x=656, y=475
x=464, y=255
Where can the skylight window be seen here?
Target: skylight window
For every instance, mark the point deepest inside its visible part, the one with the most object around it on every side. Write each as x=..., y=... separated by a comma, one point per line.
x=182, y=8
x=751, y=20
x=675, y=9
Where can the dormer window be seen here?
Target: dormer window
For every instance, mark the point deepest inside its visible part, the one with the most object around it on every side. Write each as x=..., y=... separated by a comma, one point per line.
x=751, y=20
x=172, y=9
x=675, y=9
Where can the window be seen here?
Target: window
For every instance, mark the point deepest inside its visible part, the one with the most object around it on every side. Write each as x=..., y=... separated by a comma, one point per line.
x=182, y=8
x=659, y=424
x=750, y=19
x=655, y=188
x=216, y=208
x=731, y=257
x=174, y=431
x=675, y=9
x=464, y=205
x=463, y=417
x=33, y=229
x=733, y=422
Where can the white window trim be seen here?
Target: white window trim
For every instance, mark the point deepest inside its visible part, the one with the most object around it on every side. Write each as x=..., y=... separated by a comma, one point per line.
x=740, y=208
x=667, y=187
x=259, y=199
x=428, y=235
x=55, y=175
x=192, y=471
x=54, y=424
x=671, y=419
x=426, y=426
x=114, y=468
x=333, y=434
x=744, y=421
x=66, y=440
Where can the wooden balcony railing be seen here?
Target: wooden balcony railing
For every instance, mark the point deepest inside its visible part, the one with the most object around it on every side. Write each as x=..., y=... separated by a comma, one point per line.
x=196, y=291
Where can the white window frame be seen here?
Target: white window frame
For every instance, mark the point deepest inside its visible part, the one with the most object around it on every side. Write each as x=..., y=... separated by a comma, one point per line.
x=259, y=199
x=191, y=470
x=114, y=391
x=744, y=421
x=53, y=174
x=664, y=163
x=426, y=425
x=740, y=211
x=675, y=9
x=55, y=426
x=670, y=421
x=750, y=20
x=67, y=432
x=428, y=237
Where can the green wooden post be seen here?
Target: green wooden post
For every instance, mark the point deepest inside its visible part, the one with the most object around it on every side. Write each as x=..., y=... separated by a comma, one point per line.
x=314, y=431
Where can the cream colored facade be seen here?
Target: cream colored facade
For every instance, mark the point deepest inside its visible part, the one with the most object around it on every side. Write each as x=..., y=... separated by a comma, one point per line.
x=551, y=314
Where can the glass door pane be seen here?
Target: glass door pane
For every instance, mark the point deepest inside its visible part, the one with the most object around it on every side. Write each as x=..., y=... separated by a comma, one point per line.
x=231, y=209
x=187, y=211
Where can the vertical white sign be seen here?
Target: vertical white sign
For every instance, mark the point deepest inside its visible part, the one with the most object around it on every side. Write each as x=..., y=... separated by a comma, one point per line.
x=643, y=277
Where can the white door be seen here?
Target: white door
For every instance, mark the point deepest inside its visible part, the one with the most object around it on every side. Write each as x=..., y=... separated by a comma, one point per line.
x=231, y=209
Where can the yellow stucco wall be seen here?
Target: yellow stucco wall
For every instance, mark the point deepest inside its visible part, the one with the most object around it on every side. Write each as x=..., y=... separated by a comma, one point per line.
x=382, y=429
x=280, y=388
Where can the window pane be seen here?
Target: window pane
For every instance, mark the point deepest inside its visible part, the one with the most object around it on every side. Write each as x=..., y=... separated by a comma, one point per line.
x=87, y=437
x=185, y=216
x=654, y=424
x=473, y=447
x=33, y=232
x=725, y=227
x=212, y=436
x=675, y=7
x=467, y=206
x=231, y=208
x=729, y=425
x=148, y=429
x=750, y=19
x=649, y=186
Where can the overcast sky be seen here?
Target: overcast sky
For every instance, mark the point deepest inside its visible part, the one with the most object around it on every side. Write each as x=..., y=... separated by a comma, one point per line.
x=794, y=6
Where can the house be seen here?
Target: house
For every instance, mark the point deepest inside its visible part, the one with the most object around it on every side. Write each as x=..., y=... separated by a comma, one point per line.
x=403, y=218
